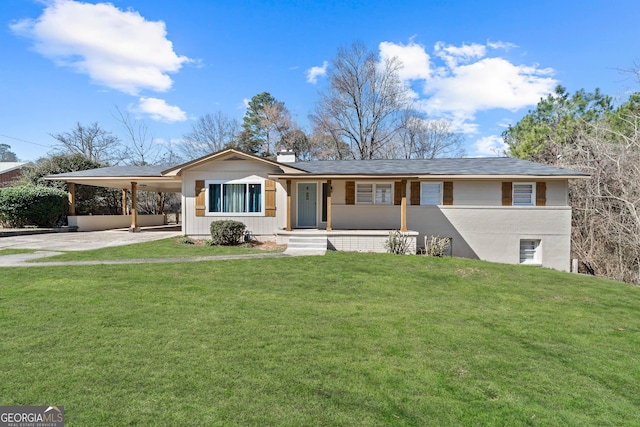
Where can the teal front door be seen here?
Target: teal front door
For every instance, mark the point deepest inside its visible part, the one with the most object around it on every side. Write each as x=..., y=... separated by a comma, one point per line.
x=307, y=204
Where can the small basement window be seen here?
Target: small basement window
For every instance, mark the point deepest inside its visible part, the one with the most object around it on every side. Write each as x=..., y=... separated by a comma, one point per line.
x=530, y=252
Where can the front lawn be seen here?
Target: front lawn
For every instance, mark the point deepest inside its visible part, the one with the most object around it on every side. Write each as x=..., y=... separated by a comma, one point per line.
x=345, y=339
x=166, y=248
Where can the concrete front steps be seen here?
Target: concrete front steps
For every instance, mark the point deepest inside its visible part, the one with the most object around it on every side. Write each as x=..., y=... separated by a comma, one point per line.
x=307, y=245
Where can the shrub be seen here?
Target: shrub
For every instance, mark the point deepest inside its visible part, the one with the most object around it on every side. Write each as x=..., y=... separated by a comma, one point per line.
x=185, y=240
x=437, y=246
x=398, y=243
x=32, y=205
x=227, y=232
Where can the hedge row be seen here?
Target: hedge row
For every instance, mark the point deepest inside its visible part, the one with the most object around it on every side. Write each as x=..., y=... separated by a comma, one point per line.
x=32, y=205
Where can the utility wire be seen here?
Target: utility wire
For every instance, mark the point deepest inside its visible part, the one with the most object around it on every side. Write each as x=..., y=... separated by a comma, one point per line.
x=22, y=140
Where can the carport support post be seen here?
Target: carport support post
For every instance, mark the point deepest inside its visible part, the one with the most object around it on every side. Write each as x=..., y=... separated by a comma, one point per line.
x=328, y=205
x=124, y=201
x=160, y=210
x=288, y=205
x=72, y=199
x=403, y=207
x=134, y=208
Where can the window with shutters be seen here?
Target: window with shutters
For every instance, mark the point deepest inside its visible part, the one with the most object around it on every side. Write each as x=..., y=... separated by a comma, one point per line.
x=530, y=251
x=524, y=194
x=374, y=193
x=430, y=193
x=239, y=197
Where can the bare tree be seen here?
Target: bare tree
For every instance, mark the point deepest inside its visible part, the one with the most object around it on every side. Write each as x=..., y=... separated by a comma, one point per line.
x=276, y=123
x=364, y=103
x=141, y=147
x=92, y=142
x=421, y=138
x=606, y=207
x=209, y=134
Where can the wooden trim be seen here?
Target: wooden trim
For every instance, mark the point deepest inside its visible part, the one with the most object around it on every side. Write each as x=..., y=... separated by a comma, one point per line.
x=397, y=192
x=124, y=201
x=329, y=205
x=403, y=206
x=134, y=206
x=415, y=193
x=447, y=193
x=72, y=198
x=200, y=197
x=288, y=205
x=270, y=198
x=350, y=193
x=507, y=193
x=541, y=193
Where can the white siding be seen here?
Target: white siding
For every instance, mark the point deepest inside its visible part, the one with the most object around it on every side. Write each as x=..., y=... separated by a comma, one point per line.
x=494, y=233
x=263, y=228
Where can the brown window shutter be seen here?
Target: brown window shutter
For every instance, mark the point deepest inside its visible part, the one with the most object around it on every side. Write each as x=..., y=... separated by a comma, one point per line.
x=350, y=190
x=397, y=193
x=447, y=193
x=200, y=198
x=415, y=192
x=270, y=198
x=507, y=194
x=541, y=193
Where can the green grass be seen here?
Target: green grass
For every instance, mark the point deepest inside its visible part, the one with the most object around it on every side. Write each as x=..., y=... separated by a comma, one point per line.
x=166, y=248
x=16, y=251
x=341, y=340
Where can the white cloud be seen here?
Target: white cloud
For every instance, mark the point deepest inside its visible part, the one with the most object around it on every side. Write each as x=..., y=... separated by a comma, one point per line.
x=501, y=45
x=487, y=84
x=415, y=60
x=314, y=72
x=457, y=82
x=453, y=55
x=158, y=109
x=490, y=146
x=118, y=49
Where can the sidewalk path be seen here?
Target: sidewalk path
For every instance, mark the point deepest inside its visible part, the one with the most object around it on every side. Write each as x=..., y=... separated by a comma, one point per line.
x=47, y=245
x=82, y=241
x=22, y=260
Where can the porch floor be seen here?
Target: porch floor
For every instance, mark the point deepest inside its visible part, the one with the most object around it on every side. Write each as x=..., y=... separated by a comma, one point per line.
x=348, y=240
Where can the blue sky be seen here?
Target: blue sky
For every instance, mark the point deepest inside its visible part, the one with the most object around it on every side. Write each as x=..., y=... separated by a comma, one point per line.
x=480, y=65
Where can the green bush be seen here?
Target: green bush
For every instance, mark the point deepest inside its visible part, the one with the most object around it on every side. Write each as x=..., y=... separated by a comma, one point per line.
x=227, y=232
x=32, y=205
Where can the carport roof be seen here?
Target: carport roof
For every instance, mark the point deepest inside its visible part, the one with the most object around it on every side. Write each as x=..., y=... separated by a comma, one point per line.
x=149, y=178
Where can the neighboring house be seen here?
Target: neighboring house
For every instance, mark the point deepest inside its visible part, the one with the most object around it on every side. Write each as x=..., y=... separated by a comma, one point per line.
x=495, y=209
x=10, y=172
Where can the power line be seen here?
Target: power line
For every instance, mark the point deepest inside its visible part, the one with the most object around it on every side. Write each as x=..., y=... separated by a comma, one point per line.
x=23, y=140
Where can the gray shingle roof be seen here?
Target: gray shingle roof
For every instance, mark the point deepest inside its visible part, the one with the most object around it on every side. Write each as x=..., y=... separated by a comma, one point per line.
x=458, y=166
x=115, y=171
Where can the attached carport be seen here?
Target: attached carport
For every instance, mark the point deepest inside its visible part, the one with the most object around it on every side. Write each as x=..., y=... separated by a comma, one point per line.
x=125, y=178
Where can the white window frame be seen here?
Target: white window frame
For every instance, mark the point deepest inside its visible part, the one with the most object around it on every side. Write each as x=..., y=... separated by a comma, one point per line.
x=245, y=181
x=533, y=247
x=424, y=202
x=531, y=202
x=374, y=192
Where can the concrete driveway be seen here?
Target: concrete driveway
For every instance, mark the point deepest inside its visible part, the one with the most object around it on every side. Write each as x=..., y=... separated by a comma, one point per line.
x=82, y=241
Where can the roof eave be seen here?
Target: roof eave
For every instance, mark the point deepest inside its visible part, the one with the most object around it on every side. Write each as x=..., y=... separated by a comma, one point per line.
x=424, y=176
